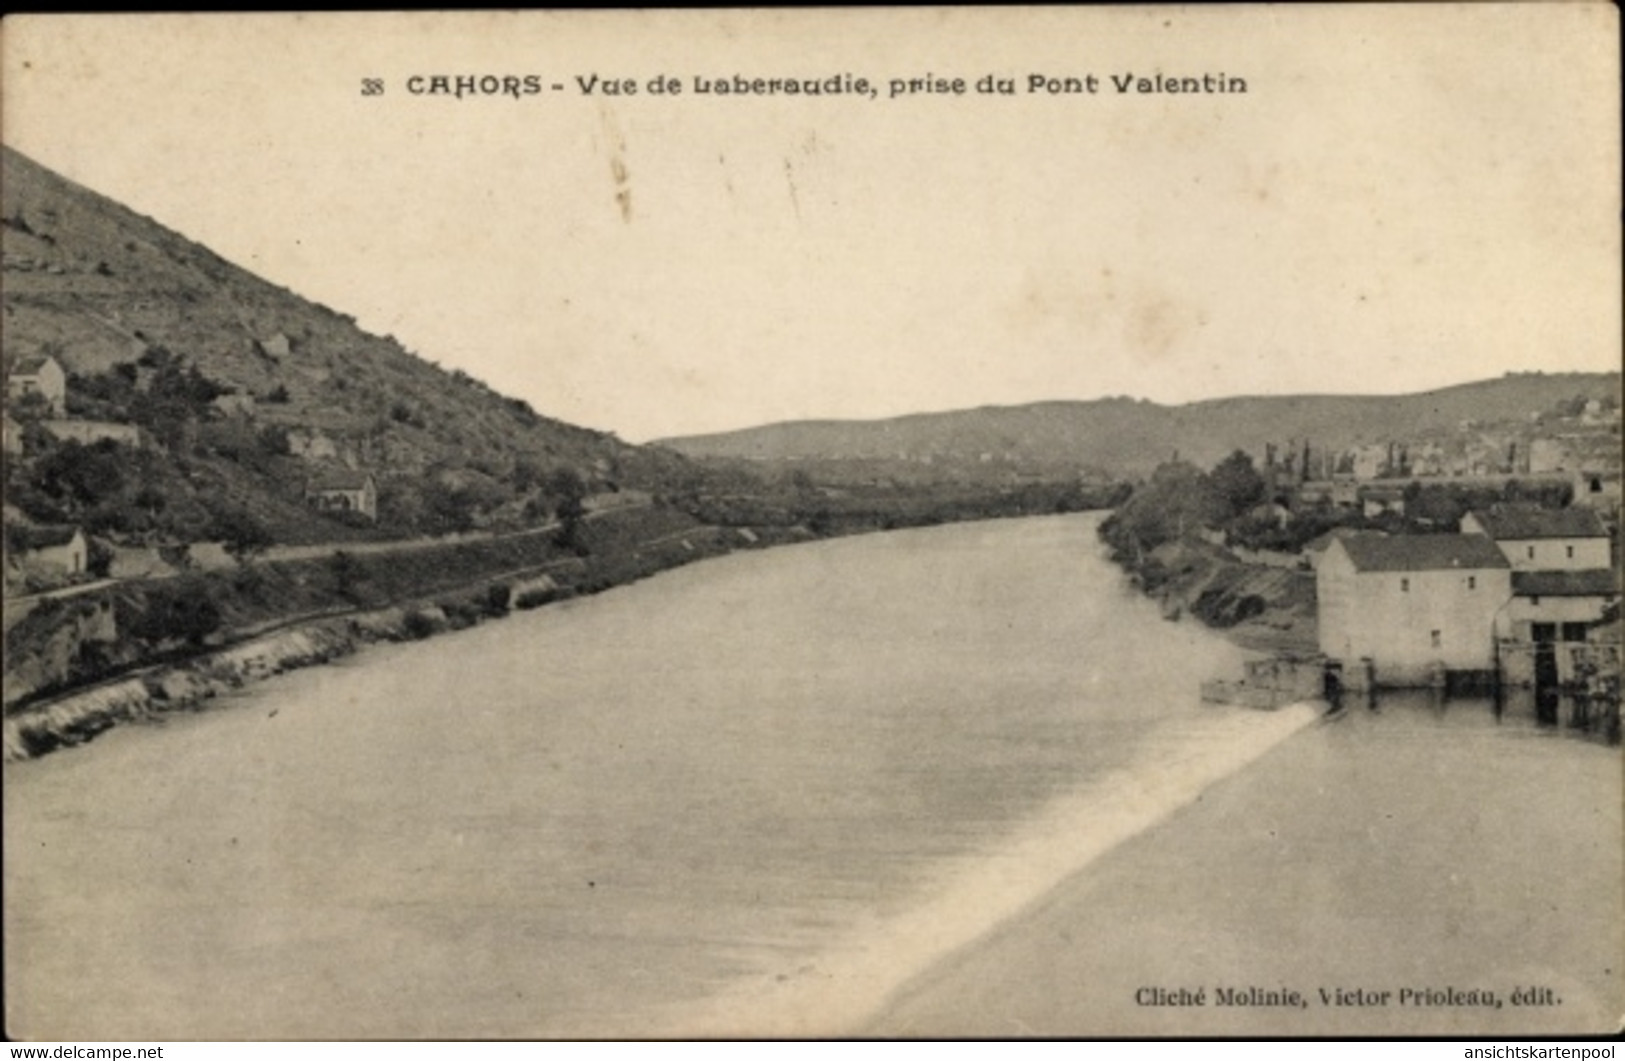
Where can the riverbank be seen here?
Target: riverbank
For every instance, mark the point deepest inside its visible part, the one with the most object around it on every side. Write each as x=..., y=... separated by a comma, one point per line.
x=81, y=667
x=78, y=667
x=1262, y=608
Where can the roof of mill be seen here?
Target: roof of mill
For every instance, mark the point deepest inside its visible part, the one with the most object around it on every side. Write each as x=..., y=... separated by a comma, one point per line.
x=1323, y=542
x=1516, y=523
x=1423, y=552
x=1598, y=582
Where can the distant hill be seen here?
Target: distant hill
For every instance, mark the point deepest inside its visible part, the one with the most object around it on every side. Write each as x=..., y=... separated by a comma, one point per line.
x=1121, y=436
x=258, y=390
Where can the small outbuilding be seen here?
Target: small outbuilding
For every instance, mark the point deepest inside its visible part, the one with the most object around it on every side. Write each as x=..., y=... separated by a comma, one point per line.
x=344, y=491
x=49, y=551
x=40, y=375
x=1543, y=539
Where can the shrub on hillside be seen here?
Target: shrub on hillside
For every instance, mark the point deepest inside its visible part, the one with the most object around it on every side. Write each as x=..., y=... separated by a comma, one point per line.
x=174, y=610
x=498, y=599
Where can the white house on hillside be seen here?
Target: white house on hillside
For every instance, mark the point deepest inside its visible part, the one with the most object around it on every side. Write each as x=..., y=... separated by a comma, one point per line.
x=48, y=552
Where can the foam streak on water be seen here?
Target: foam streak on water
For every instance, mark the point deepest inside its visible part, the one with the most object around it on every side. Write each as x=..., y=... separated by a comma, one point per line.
x=849, y=984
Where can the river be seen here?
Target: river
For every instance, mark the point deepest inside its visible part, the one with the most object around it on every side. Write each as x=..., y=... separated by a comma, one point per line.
x=756, y=795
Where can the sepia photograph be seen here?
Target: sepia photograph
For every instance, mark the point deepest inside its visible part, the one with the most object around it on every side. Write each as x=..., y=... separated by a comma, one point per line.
x=929, y=523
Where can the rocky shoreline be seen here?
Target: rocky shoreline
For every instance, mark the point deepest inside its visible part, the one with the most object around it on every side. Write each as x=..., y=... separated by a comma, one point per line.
x=78, y=717
x=188, y=684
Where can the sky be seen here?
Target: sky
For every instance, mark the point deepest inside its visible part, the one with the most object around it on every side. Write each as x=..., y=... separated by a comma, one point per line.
x=1403, y=198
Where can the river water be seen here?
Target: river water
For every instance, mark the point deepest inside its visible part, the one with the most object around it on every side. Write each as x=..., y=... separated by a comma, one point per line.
x=755, y=795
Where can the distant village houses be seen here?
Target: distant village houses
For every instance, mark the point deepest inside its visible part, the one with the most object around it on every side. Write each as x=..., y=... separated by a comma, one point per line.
x=1340, y=492
x=1368, y=462
x=1379, y=500
x=1549, y=455
x=1598, y=490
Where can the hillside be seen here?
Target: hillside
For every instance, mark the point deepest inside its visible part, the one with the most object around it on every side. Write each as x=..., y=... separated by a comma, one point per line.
x=1120, y=436
x=244, y=392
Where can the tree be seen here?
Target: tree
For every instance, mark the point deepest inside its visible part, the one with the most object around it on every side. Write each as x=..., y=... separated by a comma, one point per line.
x=99, y=558
x=1237, y=482
x=568, y=490
x=526, y=475
x=348, y=575
x=151, y=500
x=175, y=610
x=30, y=407
x=242, y=534
x=273, y=441
x=85, y=474
x=446, y=509
x=1178, y=500
x=803, y=482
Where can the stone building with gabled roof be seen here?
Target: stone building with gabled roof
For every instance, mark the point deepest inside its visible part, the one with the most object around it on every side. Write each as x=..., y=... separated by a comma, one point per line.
x=1550, y=607
x=39, y=374
x=1544, y=631
x=1409, y=609
x=1315, y=549
x=344, y=491
x=47, y=552
x=1543, y=539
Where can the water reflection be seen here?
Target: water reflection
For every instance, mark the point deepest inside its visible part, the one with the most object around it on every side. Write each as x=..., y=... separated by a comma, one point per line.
x=1546, y=711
